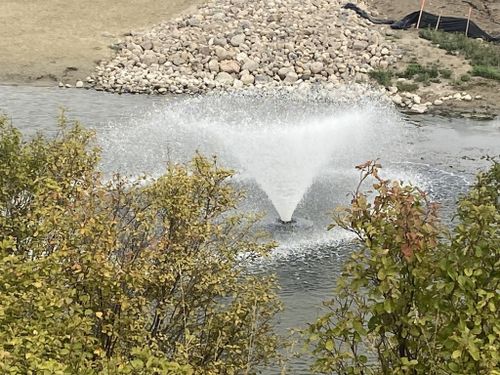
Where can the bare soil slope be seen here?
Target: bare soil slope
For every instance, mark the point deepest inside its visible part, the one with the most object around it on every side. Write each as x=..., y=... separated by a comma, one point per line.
x=49, y=40
x=485, y=13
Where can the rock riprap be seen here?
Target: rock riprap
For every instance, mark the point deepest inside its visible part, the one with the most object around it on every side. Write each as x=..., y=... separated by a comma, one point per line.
x=235, y=44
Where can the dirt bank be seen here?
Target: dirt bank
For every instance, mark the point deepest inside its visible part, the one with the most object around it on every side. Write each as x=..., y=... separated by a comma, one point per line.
x=45, y=41
x=486, y=13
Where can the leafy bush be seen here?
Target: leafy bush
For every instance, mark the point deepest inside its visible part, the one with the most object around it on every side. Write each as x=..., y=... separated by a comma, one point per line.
x=124, y=277
x=413, y=299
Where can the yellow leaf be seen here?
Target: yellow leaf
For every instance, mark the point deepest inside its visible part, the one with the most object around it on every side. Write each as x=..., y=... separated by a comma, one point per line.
x=329, y=345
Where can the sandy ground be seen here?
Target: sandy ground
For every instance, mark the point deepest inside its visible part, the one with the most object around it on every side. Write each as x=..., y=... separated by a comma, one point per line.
x=44, y=41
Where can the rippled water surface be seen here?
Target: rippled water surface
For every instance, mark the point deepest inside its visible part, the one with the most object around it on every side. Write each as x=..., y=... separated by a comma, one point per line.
x=139, y=134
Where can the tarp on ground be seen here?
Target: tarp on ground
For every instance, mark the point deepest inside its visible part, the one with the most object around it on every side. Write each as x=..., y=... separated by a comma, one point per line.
x=429, y=20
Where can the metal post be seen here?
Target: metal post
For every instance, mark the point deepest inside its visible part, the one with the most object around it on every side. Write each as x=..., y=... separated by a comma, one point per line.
x=438, y=21
x=468, y=22
x=422, y=5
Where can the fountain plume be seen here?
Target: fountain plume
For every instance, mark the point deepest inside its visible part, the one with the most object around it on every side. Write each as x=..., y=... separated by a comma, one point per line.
x=283, y=140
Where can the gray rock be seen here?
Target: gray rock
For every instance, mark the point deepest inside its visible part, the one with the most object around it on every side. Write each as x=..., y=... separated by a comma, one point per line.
x=247, y=79
x=397, y=99
x=133, y=47
x=261, y=78
x=193, y=21
x=237, y=84
x=147, y=45
x=418, y=108
x=282, y=72
x=229, y=66
x=250, y=65
x=79, y=84
x=237, y=40
x=316, y=67
x=383, y=64
x=204, y=50
x=222, y=42
x=291, y=77
x=359, y=45
x=213, y=66
x=393, y=89
x=222, y=53
x=178, y=60
x=149, y=57
x=241, y=57
x=224, y=78
x=162, y=59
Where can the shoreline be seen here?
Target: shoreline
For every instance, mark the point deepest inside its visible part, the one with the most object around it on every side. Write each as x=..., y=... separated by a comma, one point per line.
x=211, y=57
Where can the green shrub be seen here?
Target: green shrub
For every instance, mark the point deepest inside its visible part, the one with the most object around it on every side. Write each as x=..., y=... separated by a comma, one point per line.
x=420, y=73
x=465, y=78
x=445, y=73
x=123, y=277
x=413, y=299
x=383, y=77
x=484, y=56
x=486, y=72
x=407, y=87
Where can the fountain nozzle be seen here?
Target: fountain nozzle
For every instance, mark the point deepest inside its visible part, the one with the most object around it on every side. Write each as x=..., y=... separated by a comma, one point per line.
x=288, y=222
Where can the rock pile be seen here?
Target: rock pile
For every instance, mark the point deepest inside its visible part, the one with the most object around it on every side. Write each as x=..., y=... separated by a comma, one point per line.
x=413, y=102
x=237, y=43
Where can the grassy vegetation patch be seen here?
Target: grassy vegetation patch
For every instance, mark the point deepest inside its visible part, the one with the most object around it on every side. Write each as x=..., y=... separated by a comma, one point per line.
x=424, y=74
x=407, y=87
x=483, y=56
x=419, y=72
x=486, y=72
x=445, y=73
x=383, y=77
x=465, y=78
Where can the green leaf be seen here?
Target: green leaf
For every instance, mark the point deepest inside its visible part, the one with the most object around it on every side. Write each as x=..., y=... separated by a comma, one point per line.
x=381, y=274
x=358, y=326
x=473, y=351
x=137, y=364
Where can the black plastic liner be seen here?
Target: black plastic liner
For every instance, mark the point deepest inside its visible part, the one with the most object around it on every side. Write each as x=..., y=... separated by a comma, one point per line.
x=428, y=20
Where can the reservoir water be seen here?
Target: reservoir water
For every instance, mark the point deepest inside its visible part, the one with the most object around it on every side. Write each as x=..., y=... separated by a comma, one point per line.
x=267, y=141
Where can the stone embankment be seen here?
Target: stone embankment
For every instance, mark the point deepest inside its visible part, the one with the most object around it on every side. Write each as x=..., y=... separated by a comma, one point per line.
x=413, y=103
x=230, y=44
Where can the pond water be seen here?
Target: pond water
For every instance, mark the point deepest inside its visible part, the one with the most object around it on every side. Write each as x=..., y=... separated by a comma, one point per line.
x=141, y=133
